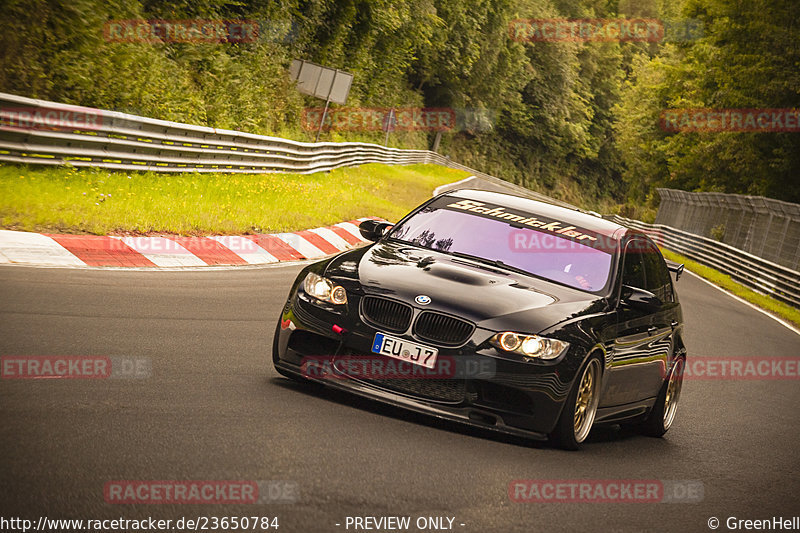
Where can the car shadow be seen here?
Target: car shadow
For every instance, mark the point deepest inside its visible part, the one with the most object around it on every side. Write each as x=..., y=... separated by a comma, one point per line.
x=599, y=435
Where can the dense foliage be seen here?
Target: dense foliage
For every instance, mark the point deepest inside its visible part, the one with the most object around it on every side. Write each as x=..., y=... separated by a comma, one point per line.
x=579, y=120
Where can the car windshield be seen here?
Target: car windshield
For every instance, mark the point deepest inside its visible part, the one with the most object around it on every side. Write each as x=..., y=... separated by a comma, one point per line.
x=541, y=253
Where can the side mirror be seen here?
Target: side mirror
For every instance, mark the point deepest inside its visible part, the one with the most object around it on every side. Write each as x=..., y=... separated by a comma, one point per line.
x=640, y=299
x=372, y=230
x=676, y=268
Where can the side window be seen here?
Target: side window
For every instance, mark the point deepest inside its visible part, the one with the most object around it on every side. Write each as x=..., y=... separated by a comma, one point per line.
x=633, y=268
x=656, y=274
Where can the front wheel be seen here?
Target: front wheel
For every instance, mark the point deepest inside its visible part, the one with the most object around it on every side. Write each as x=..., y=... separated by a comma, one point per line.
x=578, y=413
x=663, y=413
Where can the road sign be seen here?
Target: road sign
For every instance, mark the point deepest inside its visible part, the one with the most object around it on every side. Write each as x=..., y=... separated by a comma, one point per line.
x=329, y=84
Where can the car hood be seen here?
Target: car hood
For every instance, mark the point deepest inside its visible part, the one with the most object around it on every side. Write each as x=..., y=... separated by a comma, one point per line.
x=491, y=297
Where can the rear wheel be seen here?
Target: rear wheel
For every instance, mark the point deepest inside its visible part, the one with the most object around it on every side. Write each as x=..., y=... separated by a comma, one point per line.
x=578, y=414
x=663, y=413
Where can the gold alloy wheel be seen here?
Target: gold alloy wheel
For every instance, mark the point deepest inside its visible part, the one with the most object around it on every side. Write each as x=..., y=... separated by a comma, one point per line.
x=673, y=393
x=586, y=400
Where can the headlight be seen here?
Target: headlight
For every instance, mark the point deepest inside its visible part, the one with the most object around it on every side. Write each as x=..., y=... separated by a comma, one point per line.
x=530, y=346
x=324, y=289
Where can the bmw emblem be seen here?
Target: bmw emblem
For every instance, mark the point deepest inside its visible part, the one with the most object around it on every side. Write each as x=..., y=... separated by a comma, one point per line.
x=423, y=299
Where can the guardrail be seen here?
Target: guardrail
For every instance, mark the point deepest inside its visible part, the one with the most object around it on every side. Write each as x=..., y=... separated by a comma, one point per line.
x=759, y=274
x=60, y=134
x=87, y=137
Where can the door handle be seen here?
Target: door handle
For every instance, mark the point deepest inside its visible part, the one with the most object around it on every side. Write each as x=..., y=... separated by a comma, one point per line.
x=673, y=324
x=652, y=330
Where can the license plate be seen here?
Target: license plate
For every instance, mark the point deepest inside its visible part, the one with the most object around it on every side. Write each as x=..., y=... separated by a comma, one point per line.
x=404, y=350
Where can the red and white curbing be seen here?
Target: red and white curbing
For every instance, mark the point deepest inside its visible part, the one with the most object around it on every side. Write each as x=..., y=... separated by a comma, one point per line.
x=19, y=247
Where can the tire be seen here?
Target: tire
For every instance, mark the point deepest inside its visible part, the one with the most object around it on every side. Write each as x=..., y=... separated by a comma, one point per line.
x=578, y=414
x=662, y=415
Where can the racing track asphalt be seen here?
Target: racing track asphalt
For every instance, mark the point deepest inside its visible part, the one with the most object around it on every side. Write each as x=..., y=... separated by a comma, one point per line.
x=214, y=408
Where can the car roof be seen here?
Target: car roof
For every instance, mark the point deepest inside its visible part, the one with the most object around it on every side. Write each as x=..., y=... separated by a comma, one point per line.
x=570, y=216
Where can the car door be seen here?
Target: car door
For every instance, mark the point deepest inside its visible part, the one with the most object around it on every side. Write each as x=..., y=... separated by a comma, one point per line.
x=663, y=321
x=632, y=371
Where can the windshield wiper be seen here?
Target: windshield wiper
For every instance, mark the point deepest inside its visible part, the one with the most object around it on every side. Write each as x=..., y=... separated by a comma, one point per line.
x=492, y=262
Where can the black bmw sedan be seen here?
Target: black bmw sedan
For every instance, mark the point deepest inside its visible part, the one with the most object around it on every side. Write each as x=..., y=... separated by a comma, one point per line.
x=495, y=311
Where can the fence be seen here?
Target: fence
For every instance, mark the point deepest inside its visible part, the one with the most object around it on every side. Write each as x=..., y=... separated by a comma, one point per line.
x=763, y=227
x=751, y=271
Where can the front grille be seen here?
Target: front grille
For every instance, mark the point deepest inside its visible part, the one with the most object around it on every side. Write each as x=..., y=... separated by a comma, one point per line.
x=386, y=314
x=443, y=390
x=442, y=329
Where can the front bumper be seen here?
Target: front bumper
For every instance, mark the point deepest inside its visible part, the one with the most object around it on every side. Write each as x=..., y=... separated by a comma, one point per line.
x=516, y=397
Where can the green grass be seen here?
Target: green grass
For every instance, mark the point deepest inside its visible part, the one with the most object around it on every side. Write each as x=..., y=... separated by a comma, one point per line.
x=100, y=202
x=780, y=309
